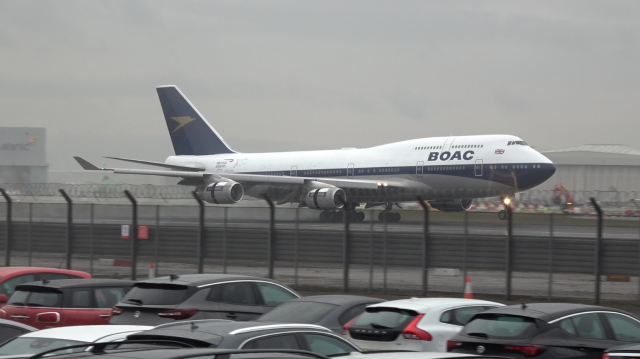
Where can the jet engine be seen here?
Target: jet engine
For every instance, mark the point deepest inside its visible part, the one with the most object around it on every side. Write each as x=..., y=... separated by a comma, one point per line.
x=453, y=205
x=324, y=198
x=222, y=192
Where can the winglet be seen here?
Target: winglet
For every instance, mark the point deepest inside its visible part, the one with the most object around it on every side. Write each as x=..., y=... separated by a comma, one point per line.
x=86, y=164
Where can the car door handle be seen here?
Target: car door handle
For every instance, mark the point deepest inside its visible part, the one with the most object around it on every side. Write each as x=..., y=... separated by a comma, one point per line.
x=20, y=316
x=105, y=316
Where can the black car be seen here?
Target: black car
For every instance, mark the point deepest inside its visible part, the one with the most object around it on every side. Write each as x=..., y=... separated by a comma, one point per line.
x=628, y=351
x=10, y=329
x=199, y=296
x=330, y=311
x=250, y=335
x=547, y=331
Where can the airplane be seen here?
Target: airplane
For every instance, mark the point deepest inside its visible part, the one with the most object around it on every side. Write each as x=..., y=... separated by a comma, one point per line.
x=448, y=172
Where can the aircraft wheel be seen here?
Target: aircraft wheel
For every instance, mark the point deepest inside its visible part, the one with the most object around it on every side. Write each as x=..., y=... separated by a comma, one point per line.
x=336, y=216
x=360, y=216
x=397, y=217
x=502, y=214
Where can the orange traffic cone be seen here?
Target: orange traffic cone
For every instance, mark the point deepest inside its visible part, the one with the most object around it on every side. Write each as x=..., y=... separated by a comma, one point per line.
x=468, y=292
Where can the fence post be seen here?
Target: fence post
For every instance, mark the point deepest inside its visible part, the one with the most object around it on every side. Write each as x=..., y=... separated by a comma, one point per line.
x=69, y=224
x=200, y=233
x=509, y=247
x=598, y=260
x=8, y=240
x=133, y=234
x=272, y=234
x=425, y=248
x=464, y=250
x=295, y=249
x=550, y=294
x=156, y=236
x=30, y=230
x=384, y=254
x=345, y=247
x=371, y=251
x=224, y=241
x=91, y=241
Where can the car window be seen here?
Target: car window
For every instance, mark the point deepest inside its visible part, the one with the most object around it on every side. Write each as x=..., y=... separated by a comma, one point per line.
x=327, y=345
x=7, y=333
x=108, y=297
x=43, y=299
x=9, y=286
x=352, y=313
x=589, y=326
x=388, y=318
x=298, y=312
x=80, y=298
x=287, y=341
x=624, y=328
x=461, y=316
x=156, y=294
x=501, y=326
x=54, y=276
x=274, y=295
x=240, y=293
x=33, y=345
x=567, y=326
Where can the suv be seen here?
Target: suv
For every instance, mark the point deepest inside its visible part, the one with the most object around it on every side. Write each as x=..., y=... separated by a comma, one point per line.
x=10, y=277
x=65, y=302
x=199, y=296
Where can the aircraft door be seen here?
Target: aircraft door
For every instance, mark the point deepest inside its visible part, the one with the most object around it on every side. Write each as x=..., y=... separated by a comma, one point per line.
x=478, y=168
x=350, y=170
x=294, y=171
x=419, y=168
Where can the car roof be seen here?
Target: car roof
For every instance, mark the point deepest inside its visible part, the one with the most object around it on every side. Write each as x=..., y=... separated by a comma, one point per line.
x=410, y=355
x=189, y=352
x=6, y=271
x=17, y=325
x=222, y=327
x=77, y=283
x=84, y=333
x=337, y=299
x=424, y=305
x=550, y=311
x=201, y=279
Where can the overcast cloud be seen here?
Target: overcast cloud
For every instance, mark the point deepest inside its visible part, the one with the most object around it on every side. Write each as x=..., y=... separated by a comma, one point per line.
x=297, y=75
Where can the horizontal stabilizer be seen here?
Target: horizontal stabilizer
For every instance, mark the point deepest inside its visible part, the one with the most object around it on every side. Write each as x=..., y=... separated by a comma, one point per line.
x=86, y=164
x=159, y=164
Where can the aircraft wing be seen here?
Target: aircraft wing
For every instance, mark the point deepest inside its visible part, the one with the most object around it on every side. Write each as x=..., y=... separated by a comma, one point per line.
x=242, y=178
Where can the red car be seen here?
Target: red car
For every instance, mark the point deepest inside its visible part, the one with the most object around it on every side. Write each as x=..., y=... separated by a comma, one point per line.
x=10, y=277
x=65, y=302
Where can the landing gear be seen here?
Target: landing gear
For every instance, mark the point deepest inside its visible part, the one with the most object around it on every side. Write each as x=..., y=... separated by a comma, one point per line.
x=336, y=216
x=502, y=214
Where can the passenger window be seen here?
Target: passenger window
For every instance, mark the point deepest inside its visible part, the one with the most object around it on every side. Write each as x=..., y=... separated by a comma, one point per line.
x=589, y=326
x=274, y=295
x=9, y=286
x=460, y=316
x=54, y=276
x=326, y=345
x=81, y=298
x=624, y=328
x=108, y=297
x=287, y=341
x=7, y=333
x=567, y=326
x=352, y=313
x=239, y=293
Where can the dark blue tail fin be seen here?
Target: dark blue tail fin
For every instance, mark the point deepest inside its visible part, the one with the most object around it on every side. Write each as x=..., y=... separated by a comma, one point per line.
x=190, y=133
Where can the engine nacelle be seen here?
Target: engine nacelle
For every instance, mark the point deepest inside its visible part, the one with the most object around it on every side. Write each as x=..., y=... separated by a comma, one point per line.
x=222, y=192
x=453, y=205
x=324, y=198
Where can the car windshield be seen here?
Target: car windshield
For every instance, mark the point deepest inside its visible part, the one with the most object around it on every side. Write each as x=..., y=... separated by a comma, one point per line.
x=38, y=345
x=298, y=312
x=384, y=318
x=501, y=326
x=156, y=294
x=36, y=299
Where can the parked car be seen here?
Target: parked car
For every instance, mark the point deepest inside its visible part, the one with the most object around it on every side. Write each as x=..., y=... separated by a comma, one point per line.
x=39, y=341
x=65, y=302
x=200, y=296
x=546, y=331
x=627, y=351
x=329, y=311
x=419, y=324
x=251, y=335
x=10, y=277
x=10, y=329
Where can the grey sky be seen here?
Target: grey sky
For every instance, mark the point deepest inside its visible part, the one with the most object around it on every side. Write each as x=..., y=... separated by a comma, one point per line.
x=297, y=75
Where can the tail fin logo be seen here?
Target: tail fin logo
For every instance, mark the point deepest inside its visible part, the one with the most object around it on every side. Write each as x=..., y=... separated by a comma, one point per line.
x=182, y=121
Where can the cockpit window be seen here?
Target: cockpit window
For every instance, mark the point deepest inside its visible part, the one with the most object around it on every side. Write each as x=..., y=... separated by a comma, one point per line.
x=521, y=143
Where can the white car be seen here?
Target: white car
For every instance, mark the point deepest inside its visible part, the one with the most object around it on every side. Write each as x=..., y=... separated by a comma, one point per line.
x=419, y=324
x=43, y=340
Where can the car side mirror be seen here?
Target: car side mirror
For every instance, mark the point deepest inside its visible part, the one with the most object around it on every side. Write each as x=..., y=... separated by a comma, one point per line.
x=3, y=299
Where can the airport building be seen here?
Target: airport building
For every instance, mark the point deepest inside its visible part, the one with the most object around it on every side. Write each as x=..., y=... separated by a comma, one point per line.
x=23, y=155
x=608, y=171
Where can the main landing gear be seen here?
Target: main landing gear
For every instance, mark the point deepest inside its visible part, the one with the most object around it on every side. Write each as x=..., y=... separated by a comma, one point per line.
x=337, y=216
x=390, y=216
